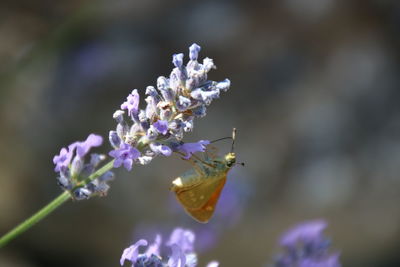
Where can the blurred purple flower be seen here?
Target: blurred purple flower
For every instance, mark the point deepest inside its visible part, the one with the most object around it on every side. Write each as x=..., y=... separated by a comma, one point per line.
x=131, y=253
x=308, y=232
x=180, y=245
x=177, y=258
x=306, y=246
x=183, y=238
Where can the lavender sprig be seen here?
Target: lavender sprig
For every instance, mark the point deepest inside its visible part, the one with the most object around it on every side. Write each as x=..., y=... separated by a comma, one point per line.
x=158, y=129
x=180, y=243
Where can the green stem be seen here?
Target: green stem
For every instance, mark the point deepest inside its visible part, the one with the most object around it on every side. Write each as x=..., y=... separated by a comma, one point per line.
x=28, y=223
x=46, y=210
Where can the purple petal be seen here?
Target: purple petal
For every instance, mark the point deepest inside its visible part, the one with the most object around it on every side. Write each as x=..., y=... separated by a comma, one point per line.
x=118, y=162
x=208, y=64
x=307, y=232
x=224, y=85
x=114, y=139
x=161, y=126
x=64, y=158
x=131, y=253
x=205, y=96
x=162, y=83
x=161, y=149
x=183, y=103
x=132, y=103
x=83, y=148
x=178, y=258
x=128, y=164
x=194, y=50
x=177, y=60
x=154, y=248
x=125, y=155
x=183, y=238
x=190, y=148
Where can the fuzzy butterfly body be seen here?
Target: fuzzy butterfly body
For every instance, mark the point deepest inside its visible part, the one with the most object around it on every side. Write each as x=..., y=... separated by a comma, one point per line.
x=199, y=188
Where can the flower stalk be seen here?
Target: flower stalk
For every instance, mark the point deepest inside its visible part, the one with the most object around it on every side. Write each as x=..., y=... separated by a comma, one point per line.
x=49, y=208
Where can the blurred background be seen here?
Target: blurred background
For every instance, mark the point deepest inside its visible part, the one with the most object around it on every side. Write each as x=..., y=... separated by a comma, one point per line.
x=315, y=97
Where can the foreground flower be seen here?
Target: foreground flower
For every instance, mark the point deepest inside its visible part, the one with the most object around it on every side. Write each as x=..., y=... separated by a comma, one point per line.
x=170, y=111
x=72, y=169
x=180, y=243
x=306, y=246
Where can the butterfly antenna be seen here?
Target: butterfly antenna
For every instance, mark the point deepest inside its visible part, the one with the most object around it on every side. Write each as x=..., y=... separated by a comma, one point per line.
x=220, y=139
x=233, y=139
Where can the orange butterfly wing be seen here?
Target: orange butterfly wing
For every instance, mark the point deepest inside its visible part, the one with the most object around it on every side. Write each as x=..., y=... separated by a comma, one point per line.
x=205, y=212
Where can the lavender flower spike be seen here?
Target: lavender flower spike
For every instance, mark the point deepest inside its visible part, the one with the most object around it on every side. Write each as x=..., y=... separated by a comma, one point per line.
x=170, y=112
x=306, y=246
x=72, y=169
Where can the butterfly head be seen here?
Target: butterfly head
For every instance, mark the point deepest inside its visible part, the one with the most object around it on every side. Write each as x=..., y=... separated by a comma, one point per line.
x=230, y=159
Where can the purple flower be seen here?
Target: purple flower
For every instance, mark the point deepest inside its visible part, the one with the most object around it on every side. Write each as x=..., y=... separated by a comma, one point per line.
x=72, y=169
x=205, y=96
x=131, y=254
x=194, y=50
x=306, y=246
x=132, y=103
x=183, y=238
x=93, y=140
x=161, y=149
x=161, y=126
x=178, y=258
x=114, y=139
x=177, y=60
x=125, y=155
x=183, y=103
x=154, y=249
x=180, y=244
x=190, y=148
x=64, y=158
x=307, y=232
x=224, y=85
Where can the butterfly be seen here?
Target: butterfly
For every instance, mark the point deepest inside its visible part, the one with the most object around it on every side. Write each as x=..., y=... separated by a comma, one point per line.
x=199, y=188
